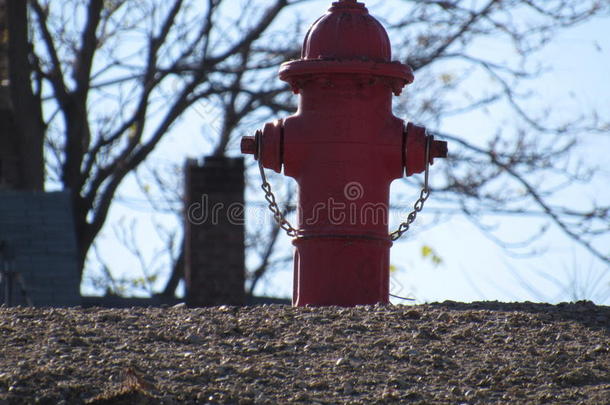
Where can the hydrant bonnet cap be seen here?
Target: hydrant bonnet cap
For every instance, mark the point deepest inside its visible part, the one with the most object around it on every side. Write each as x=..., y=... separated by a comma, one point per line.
x=347, y=39
x=347, y=32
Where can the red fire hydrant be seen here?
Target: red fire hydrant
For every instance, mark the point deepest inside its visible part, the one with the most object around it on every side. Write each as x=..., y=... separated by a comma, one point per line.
x=343, y=147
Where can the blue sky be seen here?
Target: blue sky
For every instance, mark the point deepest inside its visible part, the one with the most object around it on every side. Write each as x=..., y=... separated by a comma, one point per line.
x=473, y=267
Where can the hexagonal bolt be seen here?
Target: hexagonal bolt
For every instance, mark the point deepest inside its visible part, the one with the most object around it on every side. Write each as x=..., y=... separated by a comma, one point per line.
x=248, y=145
x=438, y=149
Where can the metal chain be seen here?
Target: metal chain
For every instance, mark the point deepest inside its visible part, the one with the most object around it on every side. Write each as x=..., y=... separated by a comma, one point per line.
x=291, y=231
x=417, y=207
x=278, y=215
x=419, y=204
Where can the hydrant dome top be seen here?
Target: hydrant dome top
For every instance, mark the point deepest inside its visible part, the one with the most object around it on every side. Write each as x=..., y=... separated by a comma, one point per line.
x=347, y=32
x=347, y=39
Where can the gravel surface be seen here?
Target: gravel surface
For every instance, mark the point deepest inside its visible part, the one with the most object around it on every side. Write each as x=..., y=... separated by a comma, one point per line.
x=447, y=353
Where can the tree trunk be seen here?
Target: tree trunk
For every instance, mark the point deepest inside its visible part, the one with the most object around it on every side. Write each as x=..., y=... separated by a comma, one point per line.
x=176, y=276
x=28, y=136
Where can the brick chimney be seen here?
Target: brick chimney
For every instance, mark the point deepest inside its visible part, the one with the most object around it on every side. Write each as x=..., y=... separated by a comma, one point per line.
x=214, y=232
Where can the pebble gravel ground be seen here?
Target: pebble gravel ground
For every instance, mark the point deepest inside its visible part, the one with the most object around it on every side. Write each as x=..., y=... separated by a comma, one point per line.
x=445, y=353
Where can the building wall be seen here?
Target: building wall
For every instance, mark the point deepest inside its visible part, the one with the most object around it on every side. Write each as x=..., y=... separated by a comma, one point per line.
x=38, y=233
x=214, y=232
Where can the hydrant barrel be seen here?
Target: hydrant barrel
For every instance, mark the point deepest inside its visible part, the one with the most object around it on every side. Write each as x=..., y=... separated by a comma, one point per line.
x=344, y=147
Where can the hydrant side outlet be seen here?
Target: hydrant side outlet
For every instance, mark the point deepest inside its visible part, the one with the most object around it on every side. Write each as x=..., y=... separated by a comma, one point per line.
x=344, y=147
